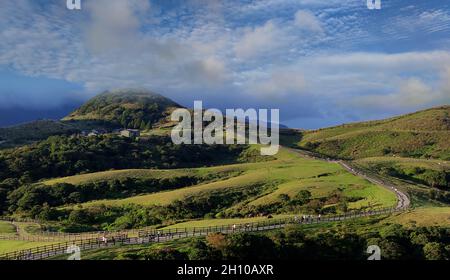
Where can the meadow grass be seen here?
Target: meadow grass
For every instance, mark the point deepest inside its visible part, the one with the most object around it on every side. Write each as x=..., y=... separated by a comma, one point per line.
x=289, y=170
x=225, y=222
x=423, y=216
x=166, y=197
x=119, y=174
x=7, y=246
x=143, y=174
x=7, y=227
x=406, y=163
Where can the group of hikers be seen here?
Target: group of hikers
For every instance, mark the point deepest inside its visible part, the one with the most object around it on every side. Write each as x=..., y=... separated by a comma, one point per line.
x=111, y=240
x=305, y=219
x=246, y=226
x=106, y=241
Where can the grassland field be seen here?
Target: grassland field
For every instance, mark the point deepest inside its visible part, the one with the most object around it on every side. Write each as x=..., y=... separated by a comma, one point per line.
x=7, y=246
x=7, y=228
x=139, y=174
x=224, y=222
x=289, y=172
x=422, y=216
x=406, y=163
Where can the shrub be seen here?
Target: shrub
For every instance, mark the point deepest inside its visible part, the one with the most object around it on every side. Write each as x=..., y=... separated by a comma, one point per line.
x=434, y=251
x=165, y=254
x=436, y=179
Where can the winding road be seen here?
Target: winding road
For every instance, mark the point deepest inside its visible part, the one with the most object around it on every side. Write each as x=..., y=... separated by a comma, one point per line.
x=403, y=200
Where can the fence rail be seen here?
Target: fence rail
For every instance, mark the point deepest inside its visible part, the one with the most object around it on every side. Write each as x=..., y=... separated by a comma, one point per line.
x=52, y=236
x=145, y=236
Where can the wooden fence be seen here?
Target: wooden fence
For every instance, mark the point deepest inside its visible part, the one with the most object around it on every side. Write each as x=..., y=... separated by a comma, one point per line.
x=110, y=239
x=52, y=236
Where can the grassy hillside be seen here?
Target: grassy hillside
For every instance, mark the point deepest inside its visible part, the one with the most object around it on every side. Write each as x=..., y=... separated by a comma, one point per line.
x=424, y=216
x=166, y=197
x=6, y=227
x=7, y=246
x=272, y=187
x=422, y=134
x=130, y=108
x=129, y=198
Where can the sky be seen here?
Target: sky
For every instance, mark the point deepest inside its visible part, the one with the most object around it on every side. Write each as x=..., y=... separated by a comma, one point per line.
x=321, y=62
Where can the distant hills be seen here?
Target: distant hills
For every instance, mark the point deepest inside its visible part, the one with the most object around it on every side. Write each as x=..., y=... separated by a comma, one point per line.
x=33, y=131
x=16, y=115
x=121, y=108
x=422, y=134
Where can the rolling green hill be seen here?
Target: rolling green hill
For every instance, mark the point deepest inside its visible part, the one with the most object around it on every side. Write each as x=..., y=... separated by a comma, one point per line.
x=288, y=184
x=424, y=134
x=130, y=108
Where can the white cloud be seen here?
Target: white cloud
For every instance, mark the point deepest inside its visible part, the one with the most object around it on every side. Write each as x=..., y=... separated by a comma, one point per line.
x=353, y=83
x=376, y=82
x=412, y=93
x=276, y=83
x=114, y=23
x=260, y=40
x=306, y=20
x=374, y=62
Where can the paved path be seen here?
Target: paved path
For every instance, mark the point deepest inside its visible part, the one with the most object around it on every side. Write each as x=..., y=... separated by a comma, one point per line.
x=402, y=199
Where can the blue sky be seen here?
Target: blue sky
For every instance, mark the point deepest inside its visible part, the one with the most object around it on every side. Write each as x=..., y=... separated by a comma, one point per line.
x=321, y=62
